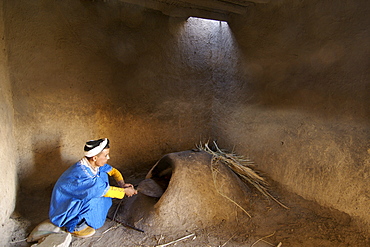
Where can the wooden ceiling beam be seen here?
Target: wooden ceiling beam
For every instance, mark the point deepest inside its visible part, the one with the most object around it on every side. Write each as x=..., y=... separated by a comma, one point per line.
x=210, y=9
x=177, y=10
x=213, y=5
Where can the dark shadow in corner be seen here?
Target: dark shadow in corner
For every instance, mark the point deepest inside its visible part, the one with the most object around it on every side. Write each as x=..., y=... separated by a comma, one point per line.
x=35, y=188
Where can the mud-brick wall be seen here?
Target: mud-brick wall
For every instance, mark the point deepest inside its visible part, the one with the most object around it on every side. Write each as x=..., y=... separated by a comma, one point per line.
x=91, y=69
x=301, y=110
x=8, y=155
x=294, y=96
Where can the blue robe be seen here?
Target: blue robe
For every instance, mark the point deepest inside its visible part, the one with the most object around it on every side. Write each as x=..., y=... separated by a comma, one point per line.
x=78, y=194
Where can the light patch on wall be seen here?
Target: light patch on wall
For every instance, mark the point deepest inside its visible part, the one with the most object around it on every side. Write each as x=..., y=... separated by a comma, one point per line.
x=208, y=50
x=209, y=45
x=207, y=29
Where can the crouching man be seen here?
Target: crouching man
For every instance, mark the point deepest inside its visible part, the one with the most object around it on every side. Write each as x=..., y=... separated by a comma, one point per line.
x=82, y=195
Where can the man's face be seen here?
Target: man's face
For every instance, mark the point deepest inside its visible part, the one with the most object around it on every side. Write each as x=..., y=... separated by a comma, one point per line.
x=102, y=158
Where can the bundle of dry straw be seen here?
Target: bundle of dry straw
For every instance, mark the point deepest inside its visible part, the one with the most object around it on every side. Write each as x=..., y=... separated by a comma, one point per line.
x=242, y=168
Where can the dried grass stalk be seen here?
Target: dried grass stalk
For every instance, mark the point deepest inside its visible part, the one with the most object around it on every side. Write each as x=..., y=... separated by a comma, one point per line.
x=177, y=240
x=242, y=168
x=263, y=238
x=214, y=170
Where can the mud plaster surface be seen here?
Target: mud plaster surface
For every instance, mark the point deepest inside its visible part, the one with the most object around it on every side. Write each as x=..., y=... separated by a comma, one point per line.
x=305, y=63
x=304, y=224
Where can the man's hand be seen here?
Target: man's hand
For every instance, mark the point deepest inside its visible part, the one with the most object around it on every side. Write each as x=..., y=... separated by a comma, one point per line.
x=122, y=184
x=129, y=188
x=130, y=191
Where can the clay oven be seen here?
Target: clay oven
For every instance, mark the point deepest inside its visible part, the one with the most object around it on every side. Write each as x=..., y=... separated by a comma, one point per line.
x=198, y=192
